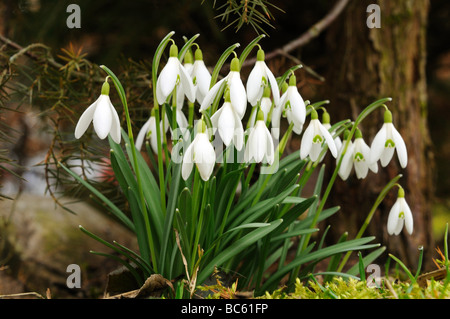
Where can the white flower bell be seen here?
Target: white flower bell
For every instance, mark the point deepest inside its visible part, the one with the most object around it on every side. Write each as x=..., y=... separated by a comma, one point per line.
x=314, y=137
x=148, y=130
x=228, y=123
x=103, y=116
x=238, y=96
x=201, y=77
x=259, y=78
x=291, y=102
x=386, y=141
x=357, y=155
x=259, y=148
x=172, y=73
x=265, y=106
x=400, y=215
x=201, y=152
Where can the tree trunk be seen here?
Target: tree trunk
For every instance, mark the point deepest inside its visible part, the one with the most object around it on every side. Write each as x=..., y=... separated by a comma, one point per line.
x=369, y=64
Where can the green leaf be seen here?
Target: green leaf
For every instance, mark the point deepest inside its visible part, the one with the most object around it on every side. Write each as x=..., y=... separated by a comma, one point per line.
x=114, y=209
x=317, y=255
x=235, y=248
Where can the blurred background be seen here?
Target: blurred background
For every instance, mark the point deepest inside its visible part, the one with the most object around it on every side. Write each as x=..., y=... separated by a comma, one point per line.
x=346, y=62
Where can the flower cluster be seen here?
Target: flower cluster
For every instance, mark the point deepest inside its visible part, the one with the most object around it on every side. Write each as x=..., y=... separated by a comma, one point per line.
x=223, y=105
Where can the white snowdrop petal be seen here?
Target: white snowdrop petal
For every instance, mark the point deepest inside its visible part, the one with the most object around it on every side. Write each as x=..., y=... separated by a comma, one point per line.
x=347, y=162
x=85, y=119
x=102, y=118
x=377, y=147
x=276, y=118
x=115, y=125
x=273, y=85
x=168, y=78
x=203, y=79
x=329, y=140
x=314, y=153
x=306, y=143
x=188, y=85
x=409, y=223
x=393, y=220
x=204, y=155
x=142, y=133
x=226, y=124
x=254, y=83
x=209, y=97
x=386, y=156
x=238, y=133
x=400, y=147
x=270, y=149
x=238, y=96
x=188, y=162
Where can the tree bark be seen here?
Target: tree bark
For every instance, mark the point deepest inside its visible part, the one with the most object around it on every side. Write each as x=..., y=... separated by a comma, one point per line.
x=369, y=64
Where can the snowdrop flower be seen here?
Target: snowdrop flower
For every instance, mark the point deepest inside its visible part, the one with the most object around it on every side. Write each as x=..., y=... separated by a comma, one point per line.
x=327, y=125
x=276, y=114
x=103, y=116
x=148, y=130
x=386, y=141
x=265, y=106
x=313, y=138
x=228, y=123
x=400, y=215
x=357, y=155
x=200, y=76
x=188, y=66
x=238, y=96
x=292, y=103
x=259, y=78
x=201, y=152
x=259, y=148
x=172, y=73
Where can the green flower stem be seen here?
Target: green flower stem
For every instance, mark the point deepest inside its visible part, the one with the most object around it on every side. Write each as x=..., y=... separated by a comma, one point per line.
x=122, y=95
x=174, y=109
x=366, y=223
x=162, y=187
x=199, y=224
x=191, y=114
x=155, y=64
x=370, y=108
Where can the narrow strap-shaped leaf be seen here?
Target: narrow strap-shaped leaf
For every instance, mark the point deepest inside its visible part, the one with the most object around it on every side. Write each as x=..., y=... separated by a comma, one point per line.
x=236, y=248
x=114, y=209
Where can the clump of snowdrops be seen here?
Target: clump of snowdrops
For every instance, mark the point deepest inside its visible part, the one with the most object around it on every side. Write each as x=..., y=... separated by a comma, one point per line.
x=207, y=180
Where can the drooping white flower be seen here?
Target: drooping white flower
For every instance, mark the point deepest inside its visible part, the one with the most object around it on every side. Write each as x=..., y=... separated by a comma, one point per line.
x=265, y=106
x=326, y=123
x=180, y=91
x=200, y=76
x=201, y=152
x=238, y=96
x=291, y=102
x=400, y=215
x=148, y=130
x=386, y=141
x=259, y=78
x=229, y=125
x=357, y=155
x=172, y=73
x=259, y=147
x=314, y=137
x=103, y=116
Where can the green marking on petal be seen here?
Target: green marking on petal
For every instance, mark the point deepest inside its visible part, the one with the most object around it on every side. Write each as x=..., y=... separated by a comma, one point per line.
x=317, y=139
x=401, y=215
x=359, y=157
x=389, y=143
